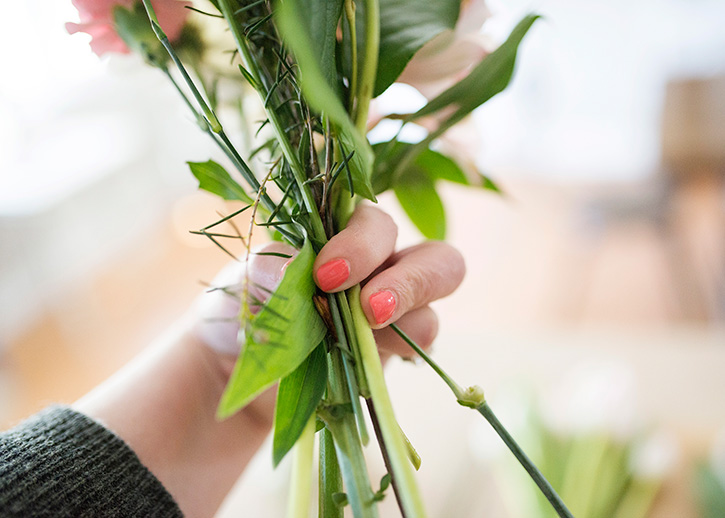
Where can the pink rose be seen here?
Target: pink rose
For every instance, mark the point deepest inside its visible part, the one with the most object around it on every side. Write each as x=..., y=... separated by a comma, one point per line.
x=97, y=19
x=448, y=57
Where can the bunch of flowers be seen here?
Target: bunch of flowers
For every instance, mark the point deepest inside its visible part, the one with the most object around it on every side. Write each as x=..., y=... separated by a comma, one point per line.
x=315, y=66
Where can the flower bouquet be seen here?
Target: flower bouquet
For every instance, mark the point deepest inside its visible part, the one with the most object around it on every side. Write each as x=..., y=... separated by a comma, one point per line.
x=314, y=66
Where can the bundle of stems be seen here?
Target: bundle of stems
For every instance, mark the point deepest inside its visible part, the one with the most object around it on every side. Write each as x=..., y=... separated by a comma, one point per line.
x=314, y=65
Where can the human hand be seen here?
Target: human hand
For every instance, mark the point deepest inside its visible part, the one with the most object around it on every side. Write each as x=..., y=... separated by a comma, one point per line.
x=163, y=404
x=397, y=286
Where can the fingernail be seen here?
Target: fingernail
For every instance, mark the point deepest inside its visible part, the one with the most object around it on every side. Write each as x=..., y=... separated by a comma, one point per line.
x=383, y=305
x=332, y=274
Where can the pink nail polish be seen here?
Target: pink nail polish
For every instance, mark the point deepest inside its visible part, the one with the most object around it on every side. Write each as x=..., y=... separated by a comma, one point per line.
x=383, y=305
x=332, y=274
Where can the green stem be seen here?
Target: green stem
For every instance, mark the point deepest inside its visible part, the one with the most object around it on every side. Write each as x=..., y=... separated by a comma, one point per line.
x=211, y=123
x=290, y=155
x=350, y=378
x=473, y=398
x=330, y=478
x=386, y=457
x=208, y=112
x=350, y=15
x=397, y=450
x=455, y=387
x=543, y=484
x=298, y=505
x=349, y=452
x=370, y=65
x=352, y=342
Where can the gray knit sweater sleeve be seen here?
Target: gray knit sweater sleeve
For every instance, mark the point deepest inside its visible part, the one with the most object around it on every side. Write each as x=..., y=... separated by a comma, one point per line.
x=60, y=463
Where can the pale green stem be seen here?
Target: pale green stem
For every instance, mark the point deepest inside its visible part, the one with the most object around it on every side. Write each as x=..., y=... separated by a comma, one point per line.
x=370, y=65
x=298, y=505
x=347, y=443
x=397, y=450
x=347, y=319
x=352, y=384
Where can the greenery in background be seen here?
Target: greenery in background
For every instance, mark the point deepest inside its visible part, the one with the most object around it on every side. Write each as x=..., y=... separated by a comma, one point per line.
x=710, y=489
x=597, y=474
x=315, y=65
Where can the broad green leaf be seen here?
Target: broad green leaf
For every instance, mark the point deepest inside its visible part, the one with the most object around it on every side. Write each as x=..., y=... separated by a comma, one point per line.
x=297, y=398
x=416, y=192
x=443, y=167
x=293, y=22
x=215, y=179
x=435, y=164
x=322, y=17
x=487, y=79
x=405, y=26
x=278, y=338
x=439, y=166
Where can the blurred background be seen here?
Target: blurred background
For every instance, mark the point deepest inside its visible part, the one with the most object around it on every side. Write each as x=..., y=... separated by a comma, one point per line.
x=593, y=312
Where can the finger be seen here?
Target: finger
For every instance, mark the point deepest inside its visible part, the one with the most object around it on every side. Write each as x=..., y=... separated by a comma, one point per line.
x=216, y=312
x=353, y=254
x=417, y=276
x=421, y=325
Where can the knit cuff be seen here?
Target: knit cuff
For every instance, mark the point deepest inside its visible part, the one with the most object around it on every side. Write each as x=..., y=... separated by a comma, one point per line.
x=60, y=463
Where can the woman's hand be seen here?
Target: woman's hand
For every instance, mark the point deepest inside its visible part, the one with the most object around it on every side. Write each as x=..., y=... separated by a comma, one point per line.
x=397, y=286
x=164, y=403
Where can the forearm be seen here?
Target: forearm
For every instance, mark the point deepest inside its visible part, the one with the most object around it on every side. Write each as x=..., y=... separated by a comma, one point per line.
x=163, y=405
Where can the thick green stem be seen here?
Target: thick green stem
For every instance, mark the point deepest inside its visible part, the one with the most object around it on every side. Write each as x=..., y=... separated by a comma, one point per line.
x=386, y=457
x=397, y=451
x=344, y=332
x=330, y=478
x=344, y=431
x=370, y=64
x=298, y=505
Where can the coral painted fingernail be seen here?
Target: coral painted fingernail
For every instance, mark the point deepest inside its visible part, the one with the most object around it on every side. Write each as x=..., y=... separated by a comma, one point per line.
x=332, y=274
x=383, y=305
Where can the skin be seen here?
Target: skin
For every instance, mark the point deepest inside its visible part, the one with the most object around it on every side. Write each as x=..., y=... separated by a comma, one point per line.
x=163, y=403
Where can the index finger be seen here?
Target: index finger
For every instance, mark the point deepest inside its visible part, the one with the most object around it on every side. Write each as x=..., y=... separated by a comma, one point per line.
x=356, y=251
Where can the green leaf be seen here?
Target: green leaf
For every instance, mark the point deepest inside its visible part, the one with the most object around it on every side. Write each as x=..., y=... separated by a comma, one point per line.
x=321, y=17
x=405, y=26
x=278, y=338
x=417, y=194
x=437, y=165
x=293, y=21
x=215, y=179
x=487, y=79
x=297, y=398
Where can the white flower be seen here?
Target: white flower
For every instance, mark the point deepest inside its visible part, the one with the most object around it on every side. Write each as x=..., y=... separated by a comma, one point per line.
x=449, y=56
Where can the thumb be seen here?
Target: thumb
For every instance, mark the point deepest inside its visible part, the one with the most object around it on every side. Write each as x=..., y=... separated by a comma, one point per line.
x=216, y=311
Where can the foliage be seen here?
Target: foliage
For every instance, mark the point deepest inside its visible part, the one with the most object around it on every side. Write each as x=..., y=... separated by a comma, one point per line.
x=315, y=65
